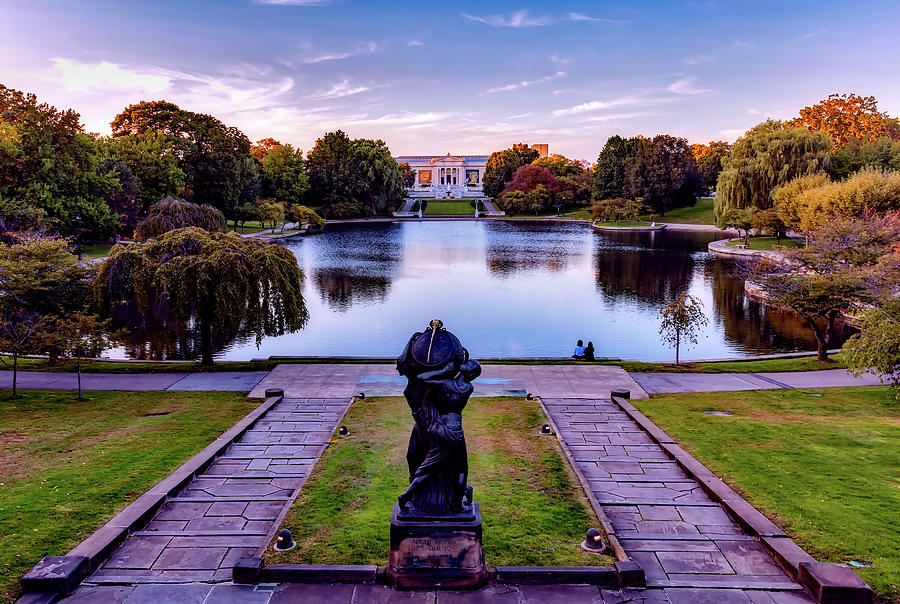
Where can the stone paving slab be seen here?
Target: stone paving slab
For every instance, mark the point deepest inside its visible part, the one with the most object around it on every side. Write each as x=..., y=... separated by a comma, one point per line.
x=662, y=518
x=656, y=383
x=234, y=381
x=228, y=511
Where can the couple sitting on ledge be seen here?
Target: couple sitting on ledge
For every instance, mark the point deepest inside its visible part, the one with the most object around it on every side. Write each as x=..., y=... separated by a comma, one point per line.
x=582, y=352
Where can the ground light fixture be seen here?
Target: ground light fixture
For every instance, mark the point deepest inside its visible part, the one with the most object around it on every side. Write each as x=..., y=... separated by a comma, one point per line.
x=343, y=430
x=361, y=396
x=593, y=542
x=284, y=541
x=529, y=397
x=545, y=429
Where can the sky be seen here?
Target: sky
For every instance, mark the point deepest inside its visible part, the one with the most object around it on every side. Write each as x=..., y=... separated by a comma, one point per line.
x=455, y=76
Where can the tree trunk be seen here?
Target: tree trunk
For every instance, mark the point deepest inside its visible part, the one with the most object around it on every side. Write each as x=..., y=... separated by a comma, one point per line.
x=206, y=351
x=677, y=344
x=821, y=342
x=15, y=367
x=79, y=378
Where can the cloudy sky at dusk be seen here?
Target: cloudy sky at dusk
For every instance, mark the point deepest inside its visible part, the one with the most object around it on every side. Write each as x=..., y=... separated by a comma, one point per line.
x=460, y=77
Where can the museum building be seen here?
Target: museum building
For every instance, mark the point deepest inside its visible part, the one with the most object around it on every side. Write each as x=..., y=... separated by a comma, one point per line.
x=450, y=176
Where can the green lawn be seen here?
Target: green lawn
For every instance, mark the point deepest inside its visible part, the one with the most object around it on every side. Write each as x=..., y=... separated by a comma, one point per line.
x=623, y=224
x=533, y=507
x=94, y=251
x=251, y=226
x=449, y=208
x=699, y=213
x=67, y=467
x=769, y=243
x=808, y=363
x=823, y=464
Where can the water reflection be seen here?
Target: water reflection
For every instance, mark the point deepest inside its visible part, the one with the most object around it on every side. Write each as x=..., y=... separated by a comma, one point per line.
x=520, y=289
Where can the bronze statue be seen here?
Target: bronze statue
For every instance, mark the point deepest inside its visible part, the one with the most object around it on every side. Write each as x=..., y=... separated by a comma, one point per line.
x=440, y=376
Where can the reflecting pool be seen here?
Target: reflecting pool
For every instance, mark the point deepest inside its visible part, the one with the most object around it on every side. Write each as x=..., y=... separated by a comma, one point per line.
x=507, y=289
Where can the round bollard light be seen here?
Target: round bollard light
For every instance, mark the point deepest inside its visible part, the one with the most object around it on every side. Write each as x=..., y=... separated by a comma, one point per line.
x=529, y=397
x=343, y=430
x=361, y=396
x=621, y=393
x=546, y=429
x=284, y=541
x=593, y=542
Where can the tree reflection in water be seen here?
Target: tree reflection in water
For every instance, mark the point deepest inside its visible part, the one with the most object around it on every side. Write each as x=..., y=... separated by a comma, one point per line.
x=549, y=246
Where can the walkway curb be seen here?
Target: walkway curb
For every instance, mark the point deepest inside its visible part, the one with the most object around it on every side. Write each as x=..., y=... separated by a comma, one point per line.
x=828, y=582
x=87, y=556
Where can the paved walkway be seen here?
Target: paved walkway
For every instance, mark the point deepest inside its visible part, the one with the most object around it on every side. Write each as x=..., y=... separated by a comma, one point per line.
x=230, y=511
x=685, y=541
x=323, y=380
x=236, y=381
x=655, y=383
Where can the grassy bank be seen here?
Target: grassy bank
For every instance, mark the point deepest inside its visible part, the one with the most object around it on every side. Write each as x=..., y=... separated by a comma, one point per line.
x=449, y=208
x=66, y=467
x=808, y=363
x=534, y=510
x=769, y=243
x=823, y=464
x=701, y=212
x=623, y=224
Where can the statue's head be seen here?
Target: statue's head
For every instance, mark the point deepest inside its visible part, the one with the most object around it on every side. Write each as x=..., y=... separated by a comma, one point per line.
x=470, y=370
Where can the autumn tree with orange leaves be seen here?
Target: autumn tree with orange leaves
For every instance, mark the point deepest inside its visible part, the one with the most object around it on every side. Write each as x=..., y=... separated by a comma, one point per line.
x=845, y=117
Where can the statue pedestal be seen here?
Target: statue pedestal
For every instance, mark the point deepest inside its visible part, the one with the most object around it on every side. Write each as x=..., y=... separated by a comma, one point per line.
x=437, y=552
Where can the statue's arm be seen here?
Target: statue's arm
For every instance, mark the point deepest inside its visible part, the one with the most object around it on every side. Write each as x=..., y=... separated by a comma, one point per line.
x=447, y=371
x=403, y=359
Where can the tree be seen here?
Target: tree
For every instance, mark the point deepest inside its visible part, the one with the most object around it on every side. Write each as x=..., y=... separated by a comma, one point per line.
x=270, y=211
x=767, y=221
x=681, y=320
x=215, y=158
x=766, y=157
x=79, y=336
x=739, y=220
x=526, y=178
x=123, y=200
x=876, y=348
x=50, y=164
x=609, y=174
x=608, y=210
x=379, y=178
x=709, y=159
x=845, y=117
x=151, y=158
x=245, y=212
x=409, y=175
x=512, y=202
x=538, y=199
x=330, y=165
x=501, y=166
x=282, y=172
x=790, y=205
x=663, y=173
x=170, y=214
x=39, y=279
x=219, y=281
x=560, y=165
x=304, y=215
x=883, y=153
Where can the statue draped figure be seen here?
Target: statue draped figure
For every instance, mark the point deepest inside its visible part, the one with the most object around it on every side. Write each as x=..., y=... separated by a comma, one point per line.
x=440, y=376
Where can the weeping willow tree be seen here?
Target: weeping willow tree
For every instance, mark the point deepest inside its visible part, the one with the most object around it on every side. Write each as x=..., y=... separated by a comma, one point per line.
x=767, y=156
x=170, y=214
x=218, y=281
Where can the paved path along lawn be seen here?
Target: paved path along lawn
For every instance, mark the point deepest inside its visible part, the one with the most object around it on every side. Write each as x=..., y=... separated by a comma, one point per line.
x=656, y=383
x=230, y=510
x=684, y=540
x=235, y=381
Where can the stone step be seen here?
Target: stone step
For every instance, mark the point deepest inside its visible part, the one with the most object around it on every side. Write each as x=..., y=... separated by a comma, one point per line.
x=145, y=579
x=639, y=478
x=695, y=504
x=236, y=533
x=257, y=474
x=211, y=499
x=681, y=537
x=726, y=582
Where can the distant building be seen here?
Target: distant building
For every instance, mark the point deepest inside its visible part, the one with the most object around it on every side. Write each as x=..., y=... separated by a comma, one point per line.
x=446, y=176
x=451, y=176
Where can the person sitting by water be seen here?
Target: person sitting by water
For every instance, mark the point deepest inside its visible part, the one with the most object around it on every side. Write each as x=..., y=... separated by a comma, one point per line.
x=589, y=352
x=579, y=350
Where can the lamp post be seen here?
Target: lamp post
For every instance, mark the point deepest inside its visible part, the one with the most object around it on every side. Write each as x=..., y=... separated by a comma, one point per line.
x=78, y=230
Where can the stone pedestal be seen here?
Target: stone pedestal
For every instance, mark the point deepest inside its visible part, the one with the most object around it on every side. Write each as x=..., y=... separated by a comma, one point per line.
x=437, y=552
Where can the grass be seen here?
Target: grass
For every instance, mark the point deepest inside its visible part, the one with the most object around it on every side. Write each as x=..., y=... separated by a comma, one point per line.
x=769, y=243
x=95, y=251
x=624, y=224
x=823, y=464
x=67, y=467
x=251, y=226
x=449, y=208
x=808, y=363
x=700, y=213
x=534, y=510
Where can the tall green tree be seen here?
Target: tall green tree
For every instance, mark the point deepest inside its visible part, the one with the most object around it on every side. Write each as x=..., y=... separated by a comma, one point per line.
x=502, y=165
x=151, y=158
x=876, y=348
x=560, y=165
x=682, y=319
x=218, y=281
x=215, y=158
x=50, y=164
x=381, y=186
x=663, y=173
x=171, y=214
x=709, y=160
x=282, y=172
x=767, y=156
x=609, y=178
